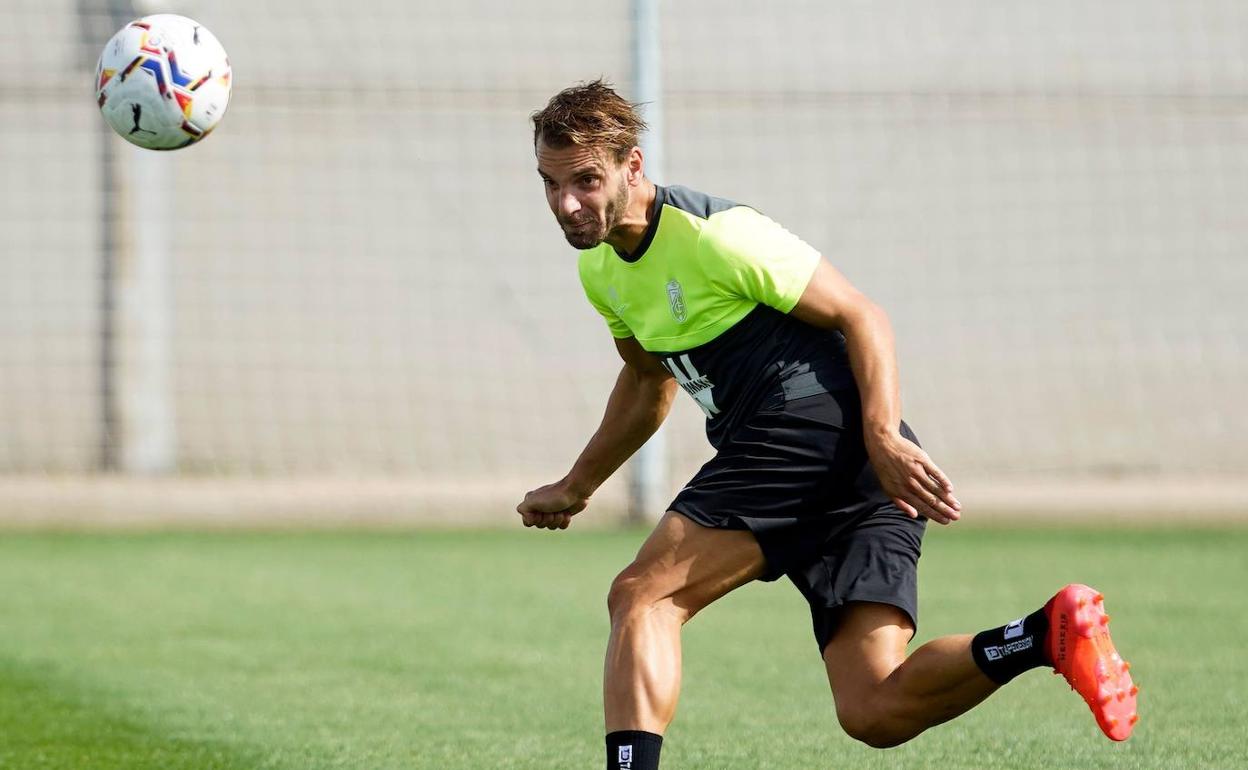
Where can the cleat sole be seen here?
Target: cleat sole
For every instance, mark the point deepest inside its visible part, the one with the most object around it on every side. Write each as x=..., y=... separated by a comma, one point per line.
x=1082, y=651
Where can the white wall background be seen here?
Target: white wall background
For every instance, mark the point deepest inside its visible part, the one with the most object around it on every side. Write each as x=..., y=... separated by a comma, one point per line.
x=1047, y=197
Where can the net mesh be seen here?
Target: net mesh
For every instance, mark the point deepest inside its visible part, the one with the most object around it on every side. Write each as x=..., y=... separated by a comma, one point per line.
x=363, y=278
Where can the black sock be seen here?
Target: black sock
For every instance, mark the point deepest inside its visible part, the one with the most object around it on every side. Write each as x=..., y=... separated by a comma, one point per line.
x=633, y=750
x=1004, y=653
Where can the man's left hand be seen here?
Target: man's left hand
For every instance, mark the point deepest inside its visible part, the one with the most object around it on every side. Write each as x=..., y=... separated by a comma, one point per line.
x=912, y=480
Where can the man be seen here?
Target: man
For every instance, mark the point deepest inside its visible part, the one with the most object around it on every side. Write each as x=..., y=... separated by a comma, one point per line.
x=815, y=475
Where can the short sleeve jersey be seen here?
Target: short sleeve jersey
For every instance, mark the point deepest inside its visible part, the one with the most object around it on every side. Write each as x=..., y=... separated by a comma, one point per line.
x=708, y=291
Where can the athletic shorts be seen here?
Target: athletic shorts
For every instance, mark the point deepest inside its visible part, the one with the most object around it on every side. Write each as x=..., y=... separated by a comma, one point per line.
x=797, y=476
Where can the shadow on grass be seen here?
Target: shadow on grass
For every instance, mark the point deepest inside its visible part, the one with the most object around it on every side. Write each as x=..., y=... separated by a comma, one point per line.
x=48, y=721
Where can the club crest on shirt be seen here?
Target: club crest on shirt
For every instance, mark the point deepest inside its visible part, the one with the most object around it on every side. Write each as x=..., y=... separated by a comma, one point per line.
x=613, y=297
x=676, y=300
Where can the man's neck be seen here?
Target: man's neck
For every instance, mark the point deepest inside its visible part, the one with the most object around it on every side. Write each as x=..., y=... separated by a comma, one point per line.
x=626, y=236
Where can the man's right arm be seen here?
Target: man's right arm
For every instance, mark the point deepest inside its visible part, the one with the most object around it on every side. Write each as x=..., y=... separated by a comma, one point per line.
x=639, y=403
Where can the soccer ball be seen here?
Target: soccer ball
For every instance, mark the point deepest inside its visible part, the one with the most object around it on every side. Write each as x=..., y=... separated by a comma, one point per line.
x=163, y=82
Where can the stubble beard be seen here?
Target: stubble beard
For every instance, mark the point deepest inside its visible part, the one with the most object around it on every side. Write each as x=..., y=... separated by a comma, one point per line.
x=590, y=237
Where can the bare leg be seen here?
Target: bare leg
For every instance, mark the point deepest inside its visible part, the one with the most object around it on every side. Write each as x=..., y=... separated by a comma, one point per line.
x=884, y=698
x=681, y=568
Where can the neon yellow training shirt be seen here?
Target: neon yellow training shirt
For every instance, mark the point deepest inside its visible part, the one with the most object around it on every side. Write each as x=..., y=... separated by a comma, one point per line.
x=708, y=291
x=703, y=268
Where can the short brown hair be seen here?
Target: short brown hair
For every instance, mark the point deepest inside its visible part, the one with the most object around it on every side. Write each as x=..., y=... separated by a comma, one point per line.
x=589, y=115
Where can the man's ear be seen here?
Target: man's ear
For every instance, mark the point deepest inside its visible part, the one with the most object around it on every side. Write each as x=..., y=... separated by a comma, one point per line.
x=635, y=164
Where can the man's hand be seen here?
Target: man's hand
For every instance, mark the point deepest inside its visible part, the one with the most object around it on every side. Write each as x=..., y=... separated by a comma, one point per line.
x=910, y=477
x=551, y=506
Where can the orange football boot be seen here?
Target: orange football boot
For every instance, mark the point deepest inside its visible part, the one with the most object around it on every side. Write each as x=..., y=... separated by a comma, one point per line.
x=1081, y=650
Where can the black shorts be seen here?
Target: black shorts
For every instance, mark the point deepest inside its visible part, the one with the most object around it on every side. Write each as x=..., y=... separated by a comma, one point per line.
x=798, y=478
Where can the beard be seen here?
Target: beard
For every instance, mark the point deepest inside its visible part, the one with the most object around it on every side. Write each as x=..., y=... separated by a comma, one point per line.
x=588, y=232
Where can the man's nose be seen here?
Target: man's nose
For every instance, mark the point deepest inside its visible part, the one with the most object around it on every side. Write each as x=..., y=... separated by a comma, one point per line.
x=569, y=204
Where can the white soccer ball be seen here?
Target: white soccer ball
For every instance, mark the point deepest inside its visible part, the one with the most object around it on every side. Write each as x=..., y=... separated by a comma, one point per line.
x=163, y=82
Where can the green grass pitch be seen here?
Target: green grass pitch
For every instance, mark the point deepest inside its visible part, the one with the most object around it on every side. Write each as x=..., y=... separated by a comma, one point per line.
x=483, y=650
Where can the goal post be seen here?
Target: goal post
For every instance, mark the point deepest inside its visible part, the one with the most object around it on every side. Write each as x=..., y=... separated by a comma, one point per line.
x=649, y=467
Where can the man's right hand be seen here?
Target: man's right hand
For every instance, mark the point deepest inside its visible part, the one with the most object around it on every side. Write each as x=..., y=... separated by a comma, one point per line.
x=551, y=506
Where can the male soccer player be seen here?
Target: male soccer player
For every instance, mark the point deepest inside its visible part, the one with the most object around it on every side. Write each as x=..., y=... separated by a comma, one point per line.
x=815, y=475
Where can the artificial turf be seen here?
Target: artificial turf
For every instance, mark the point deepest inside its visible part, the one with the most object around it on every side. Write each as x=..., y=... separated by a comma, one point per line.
x=300, y=651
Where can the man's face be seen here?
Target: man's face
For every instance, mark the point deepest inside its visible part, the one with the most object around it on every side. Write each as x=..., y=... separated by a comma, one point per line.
x=586, y=189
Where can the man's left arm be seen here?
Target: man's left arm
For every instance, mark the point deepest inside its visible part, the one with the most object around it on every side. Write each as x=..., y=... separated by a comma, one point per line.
x=906, y=472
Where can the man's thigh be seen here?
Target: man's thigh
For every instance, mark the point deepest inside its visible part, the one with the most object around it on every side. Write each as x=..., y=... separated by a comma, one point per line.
x=869, y=644
x=692, y=564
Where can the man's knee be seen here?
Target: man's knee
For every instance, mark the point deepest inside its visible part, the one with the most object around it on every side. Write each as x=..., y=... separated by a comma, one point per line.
x=636, y=591
x=869, y=726
x=627, y=593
